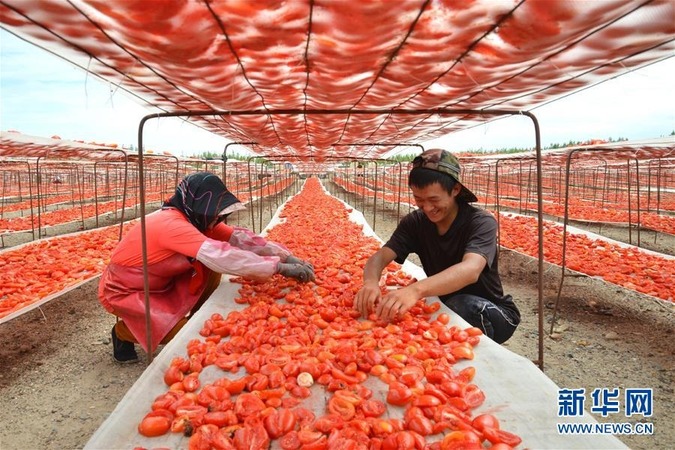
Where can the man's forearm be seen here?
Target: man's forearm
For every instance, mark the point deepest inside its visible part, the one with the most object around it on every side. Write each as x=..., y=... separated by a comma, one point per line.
x=372, y=271
x=448, y=281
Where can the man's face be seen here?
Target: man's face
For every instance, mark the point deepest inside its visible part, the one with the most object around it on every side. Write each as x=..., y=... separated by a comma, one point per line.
x=435, y=201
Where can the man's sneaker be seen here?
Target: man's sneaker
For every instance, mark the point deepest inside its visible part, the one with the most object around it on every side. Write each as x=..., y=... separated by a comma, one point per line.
x=123, y=351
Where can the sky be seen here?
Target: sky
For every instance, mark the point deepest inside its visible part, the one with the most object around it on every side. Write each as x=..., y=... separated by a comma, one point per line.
x=43, y=95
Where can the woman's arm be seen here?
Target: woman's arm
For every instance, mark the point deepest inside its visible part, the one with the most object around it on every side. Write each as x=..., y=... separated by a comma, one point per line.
x=224, y=258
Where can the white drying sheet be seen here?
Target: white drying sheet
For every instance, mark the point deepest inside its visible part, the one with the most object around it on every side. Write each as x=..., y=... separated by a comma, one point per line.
x=524, y=399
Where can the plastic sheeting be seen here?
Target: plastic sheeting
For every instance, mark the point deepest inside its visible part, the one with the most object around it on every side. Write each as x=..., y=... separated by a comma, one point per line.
x=300, y=76
x=524, y=398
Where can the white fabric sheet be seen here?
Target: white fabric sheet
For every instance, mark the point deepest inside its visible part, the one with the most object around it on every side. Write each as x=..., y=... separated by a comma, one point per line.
x=524, y=399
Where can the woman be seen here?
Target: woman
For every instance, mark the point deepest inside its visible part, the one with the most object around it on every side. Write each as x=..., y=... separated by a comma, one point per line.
x=189, y=246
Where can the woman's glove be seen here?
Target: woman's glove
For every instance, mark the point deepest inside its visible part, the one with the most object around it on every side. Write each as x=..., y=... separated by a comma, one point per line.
x=295, y=260
x=300, y=272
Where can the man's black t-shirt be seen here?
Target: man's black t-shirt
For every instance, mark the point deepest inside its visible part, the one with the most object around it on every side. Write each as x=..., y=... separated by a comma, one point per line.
x=474, y=230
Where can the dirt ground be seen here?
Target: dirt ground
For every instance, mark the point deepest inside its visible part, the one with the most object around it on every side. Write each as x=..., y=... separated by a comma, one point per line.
x=59, y=381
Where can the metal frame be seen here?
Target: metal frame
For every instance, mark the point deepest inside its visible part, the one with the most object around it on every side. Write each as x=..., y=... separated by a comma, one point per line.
x=352, y=112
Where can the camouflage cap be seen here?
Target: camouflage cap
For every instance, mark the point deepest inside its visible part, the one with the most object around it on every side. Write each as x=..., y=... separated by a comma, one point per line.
x=443, y=161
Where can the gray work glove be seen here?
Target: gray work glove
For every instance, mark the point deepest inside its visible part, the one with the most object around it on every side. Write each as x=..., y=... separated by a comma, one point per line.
x=295, y=260
x=300, y=272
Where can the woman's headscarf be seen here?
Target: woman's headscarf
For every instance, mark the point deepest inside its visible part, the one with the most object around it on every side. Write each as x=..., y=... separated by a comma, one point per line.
x=201, y=196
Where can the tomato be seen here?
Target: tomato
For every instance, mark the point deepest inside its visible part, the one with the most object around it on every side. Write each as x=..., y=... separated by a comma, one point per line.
x=280, y=422
x=496, y=436
x=433, y=390
x=247, y=405
x=485, y=421
x=220, y=418
x=425, y=400
x=373, y=357
x=301, y=392
x=401, y=440
x=451, y=388
x=461, y=440
x=164, y=401
x=215, y=398
x=373, y=408
x=233, y=386
x=501, y=446
x=474, y=331
x=257, y=382
x=462, y=352
x=173, y=375
x=411, y=375
x=443, y=318
x=303, y=416
x=290, y=441
x=328, y=314
x=341, y=407
x=252, y=436
x=429, y=308
x=329, y=422
x=473, y=395
x=191, y=382
x=312, y=439
x=466, y=374
x=420, y=424
x=399, y=394
x=155, y=424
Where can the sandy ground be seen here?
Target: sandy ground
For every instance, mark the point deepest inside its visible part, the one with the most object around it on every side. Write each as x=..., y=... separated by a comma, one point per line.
x=59, y=381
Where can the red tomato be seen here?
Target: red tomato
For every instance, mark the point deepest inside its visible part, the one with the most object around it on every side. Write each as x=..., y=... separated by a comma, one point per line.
x=247, y=405
x=411, y=375
x=421, y=425
x=466, y=374
x=155, y=424
x=401, y=440
x=312, y=440
x=443, y=318
x=173, y=375
x=233, y=386
x=399, y=394
x=219, y=418
x=290, y=441
x=342, y=407
x=303, y=416
x=191, y=382
x=429, y=308
x=252, y=436
x=461, y=440
x=373, y=408
x=425, y=400
x=280, y=422
x=485, y=421
x=329, y=422
x=473, y=395
x=462, y=352
x=496, y=436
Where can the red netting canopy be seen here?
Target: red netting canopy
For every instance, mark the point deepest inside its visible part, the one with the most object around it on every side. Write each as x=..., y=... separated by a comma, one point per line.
x=298, y=77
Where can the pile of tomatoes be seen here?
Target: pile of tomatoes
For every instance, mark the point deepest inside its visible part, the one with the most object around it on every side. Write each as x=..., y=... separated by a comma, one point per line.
x=67, y=215
x=301, y=368
x=43, y=268
x=625, y=266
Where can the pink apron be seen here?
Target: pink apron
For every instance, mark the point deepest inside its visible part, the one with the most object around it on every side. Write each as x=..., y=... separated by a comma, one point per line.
x=175, y=287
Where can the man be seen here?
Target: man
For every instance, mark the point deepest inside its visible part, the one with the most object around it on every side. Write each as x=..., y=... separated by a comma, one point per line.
x=457, y=245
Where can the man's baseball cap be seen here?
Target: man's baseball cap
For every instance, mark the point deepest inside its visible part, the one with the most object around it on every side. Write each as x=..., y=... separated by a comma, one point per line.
x=443, y=161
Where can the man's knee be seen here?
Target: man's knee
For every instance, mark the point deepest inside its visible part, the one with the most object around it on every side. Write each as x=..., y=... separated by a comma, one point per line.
x=482, y=313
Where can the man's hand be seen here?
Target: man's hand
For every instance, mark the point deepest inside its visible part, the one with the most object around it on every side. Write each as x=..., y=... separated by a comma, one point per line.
x=295, y=260
x=367, y=297
x=300, y=272
x=396, y=303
